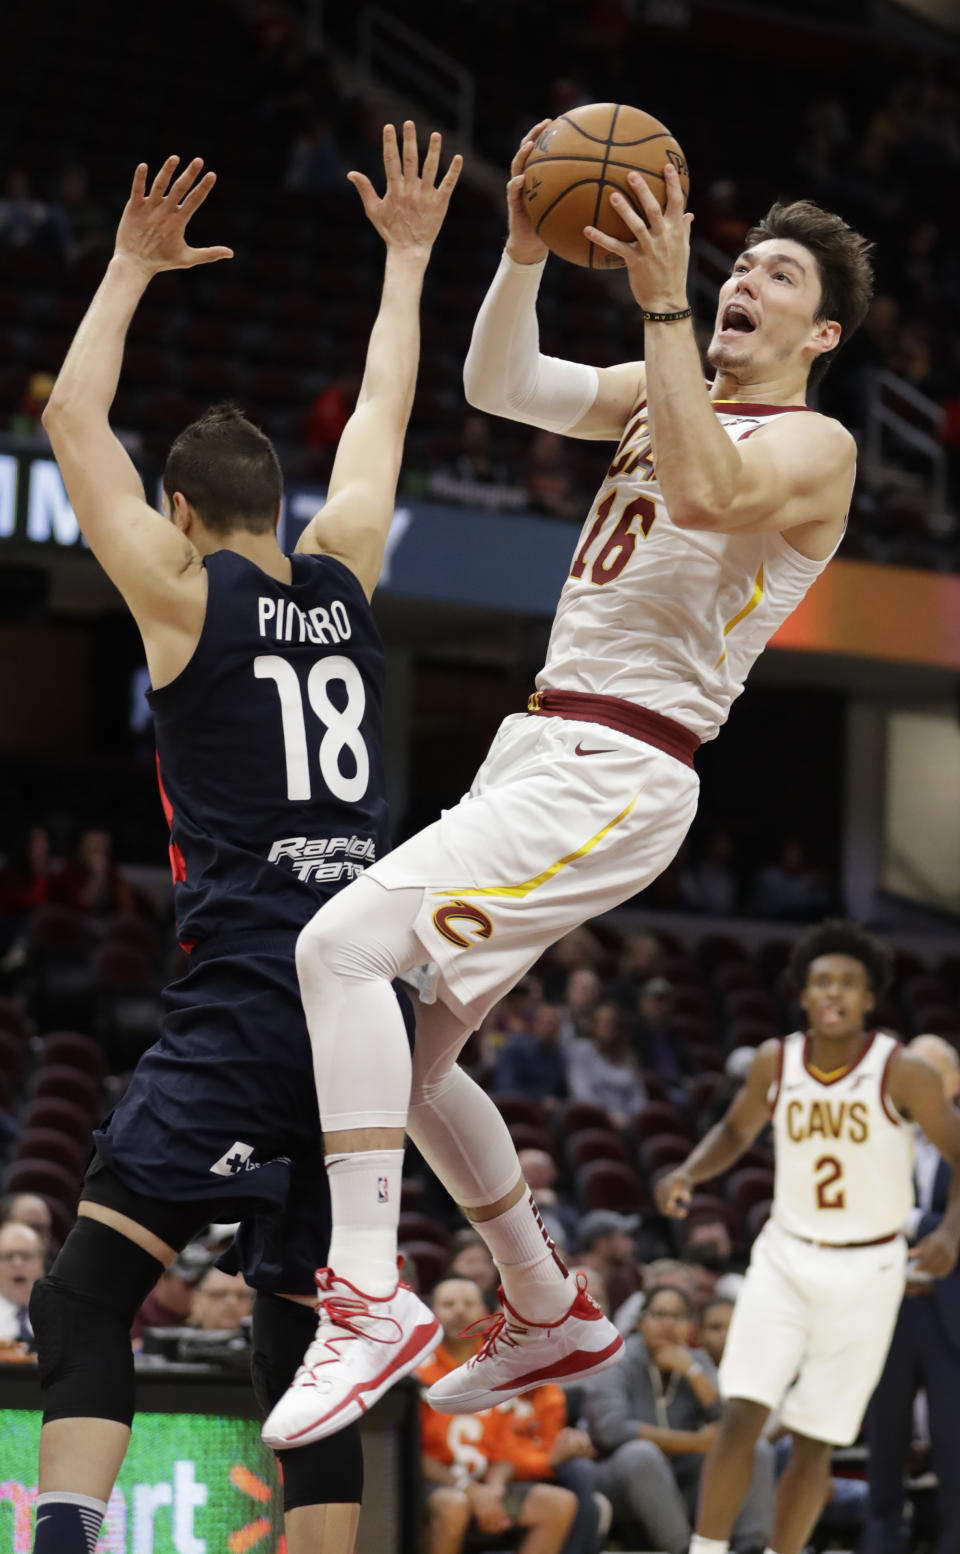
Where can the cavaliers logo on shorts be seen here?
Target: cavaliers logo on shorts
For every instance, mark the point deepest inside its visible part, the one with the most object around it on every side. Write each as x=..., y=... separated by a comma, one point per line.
x=460, y=911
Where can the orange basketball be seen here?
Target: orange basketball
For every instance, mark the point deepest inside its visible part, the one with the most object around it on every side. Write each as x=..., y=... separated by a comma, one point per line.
x=578, y=162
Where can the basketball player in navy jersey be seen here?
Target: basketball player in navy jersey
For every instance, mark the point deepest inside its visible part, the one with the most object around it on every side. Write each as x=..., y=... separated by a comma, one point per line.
x=267, y=675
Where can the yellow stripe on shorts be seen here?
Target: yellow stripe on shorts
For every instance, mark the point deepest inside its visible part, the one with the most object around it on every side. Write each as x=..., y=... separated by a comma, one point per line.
x=519, y=891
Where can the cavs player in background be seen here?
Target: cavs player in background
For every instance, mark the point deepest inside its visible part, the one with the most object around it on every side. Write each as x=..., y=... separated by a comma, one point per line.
x=813, y=1322
x=720, y=508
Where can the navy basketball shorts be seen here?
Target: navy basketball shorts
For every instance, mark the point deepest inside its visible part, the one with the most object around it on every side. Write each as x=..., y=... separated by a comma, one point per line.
x=220, y=1123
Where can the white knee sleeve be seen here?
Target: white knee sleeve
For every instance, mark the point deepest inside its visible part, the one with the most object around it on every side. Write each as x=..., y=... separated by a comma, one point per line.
x=346, y=957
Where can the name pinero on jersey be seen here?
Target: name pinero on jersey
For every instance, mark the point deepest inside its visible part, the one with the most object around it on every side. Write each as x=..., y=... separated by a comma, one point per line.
x=283, y=621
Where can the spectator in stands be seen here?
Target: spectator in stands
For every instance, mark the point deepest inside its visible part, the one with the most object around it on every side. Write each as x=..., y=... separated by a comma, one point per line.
x=28, y=1208
x=666, y=1271
x=540, y=1174
x=542, y=1447
x=641, y=959
x=220, y=1301
x=607, y=1244
x=91, y=882
x=924, y=1352
x=581, y=995
x=21, y=1264
x=654, y=1040
x=602, y=1069
x=790, y=890
x=594, y=1284
x=26, y=877
x=714, y=1325
x=471, y=1260
x=550, y=486
x=475, y=477
x=706, y=1249
x=171, y=1301
x=315, y=163
x=466, y=1467
x=26, y=419
x=24, y=221
x=82, y=221
x=653, y=1418
x=708, y=883
x=330, y=412
x=534, y=1063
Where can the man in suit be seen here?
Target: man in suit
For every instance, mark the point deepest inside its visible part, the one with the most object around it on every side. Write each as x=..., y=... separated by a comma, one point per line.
x=925, y=1353
x=21, y=1265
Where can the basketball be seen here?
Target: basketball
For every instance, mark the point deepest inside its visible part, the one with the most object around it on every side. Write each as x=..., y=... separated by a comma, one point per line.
x=578, y=162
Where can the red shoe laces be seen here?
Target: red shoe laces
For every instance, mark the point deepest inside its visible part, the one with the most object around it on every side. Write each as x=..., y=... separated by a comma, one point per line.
x=346, y=1313
x=495, y=1329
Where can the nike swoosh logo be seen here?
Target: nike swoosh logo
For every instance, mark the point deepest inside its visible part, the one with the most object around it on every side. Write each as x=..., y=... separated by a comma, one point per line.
x=580, y=751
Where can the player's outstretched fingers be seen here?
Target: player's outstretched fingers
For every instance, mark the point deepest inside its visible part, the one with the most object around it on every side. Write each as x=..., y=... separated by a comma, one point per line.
x=432, y=159
x=209, y=255
x=449, y=181
x=411, y=161
x=674, y=188
x=391, y=156
x=613, y=245
x=648, y=202
x=181, y=188
x=138, y=188
x=197, y=194
x=162, y=181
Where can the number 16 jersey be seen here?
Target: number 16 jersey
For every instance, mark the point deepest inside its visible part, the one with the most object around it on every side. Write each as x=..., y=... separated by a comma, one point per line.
x=269, y=748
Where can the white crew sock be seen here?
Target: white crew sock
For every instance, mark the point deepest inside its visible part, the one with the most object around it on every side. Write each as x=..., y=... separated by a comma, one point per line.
x=535, y=1280
x=365, y=1200
x=700, y=1545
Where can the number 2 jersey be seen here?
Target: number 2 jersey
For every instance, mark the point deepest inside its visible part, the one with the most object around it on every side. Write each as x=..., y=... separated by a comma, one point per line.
x=269, y=748
x=844, y=1155
x=670, y=619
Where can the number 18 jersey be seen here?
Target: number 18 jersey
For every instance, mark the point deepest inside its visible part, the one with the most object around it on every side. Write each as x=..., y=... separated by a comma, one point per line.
x=670, y=619
x=269, y=748
x=844, y=1155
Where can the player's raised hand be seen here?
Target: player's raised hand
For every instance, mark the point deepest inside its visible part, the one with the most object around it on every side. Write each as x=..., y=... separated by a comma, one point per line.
x=659, y=255
x=410, y=213
x=673, y=1192
x=523, y=245
x=152, y=230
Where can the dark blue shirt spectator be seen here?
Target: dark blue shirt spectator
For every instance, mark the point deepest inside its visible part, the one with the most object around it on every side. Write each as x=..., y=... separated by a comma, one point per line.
x=533, y=1064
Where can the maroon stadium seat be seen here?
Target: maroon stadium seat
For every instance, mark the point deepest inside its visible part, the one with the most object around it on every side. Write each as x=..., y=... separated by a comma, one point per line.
x=71, y=1049
x=530, y=1135
x=50, y=1144
x=65, y=1082
x=750, y=1033
x=749, y=1185
x=658, y=1117
x=751, y=1004
x=695, y=1027
x=51, y=1112
x=757, y=1217
x=119, y=967
x=705, y=1057
x=60, y=928
x=134, y=933
x=609, y=1184
x=13, y=1021
x=662, y=1151
x=430, y=1260
x=420, y=1227
x=704, y=1089
x=13, y=1056
x=738, y=976
x=43, y=1176
x=716, y=949
x=411, y=1195
x=596, y=1144
x=578, y=1115
x=518, y=1108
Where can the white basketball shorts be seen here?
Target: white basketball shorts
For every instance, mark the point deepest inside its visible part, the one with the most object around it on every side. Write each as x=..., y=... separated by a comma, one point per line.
x=565, y=820
x=811, y=1329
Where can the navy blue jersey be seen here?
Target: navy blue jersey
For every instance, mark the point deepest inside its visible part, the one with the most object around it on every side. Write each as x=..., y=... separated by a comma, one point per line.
x=269, y=748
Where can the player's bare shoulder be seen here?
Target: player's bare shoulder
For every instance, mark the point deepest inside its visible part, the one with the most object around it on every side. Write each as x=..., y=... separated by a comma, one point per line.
x=815, y=459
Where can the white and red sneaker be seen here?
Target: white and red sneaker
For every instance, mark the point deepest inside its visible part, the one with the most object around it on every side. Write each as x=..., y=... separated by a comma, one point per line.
x=363, y=1345
x=518, y=1355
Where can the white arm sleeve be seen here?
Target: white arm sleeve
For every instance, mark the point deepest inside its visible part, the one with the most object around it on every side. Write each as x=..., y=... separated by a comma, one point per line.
x=505, y=374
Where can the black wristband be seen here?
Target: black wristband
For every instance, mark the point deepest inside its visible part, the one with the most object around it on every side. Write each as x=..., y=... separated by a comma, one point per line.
x=666, y=318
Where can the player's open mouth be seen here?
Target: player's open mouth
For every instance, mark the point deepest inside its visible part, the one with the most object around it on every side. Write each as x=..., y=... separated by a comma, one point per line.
x=736, y=320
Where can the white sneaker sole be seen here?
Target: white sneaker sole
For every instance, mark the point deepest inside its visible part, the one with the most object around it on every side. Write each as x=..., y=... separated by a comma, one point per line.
x=328, y=1421
x=474, y=1400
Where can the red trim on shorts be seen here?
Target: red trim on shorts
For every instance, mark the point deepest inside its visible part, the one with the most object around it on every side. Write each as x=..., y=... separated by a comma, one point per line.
x=738, y=407
x=840, y=1073
x=844, y=1246
x=639, y=722
x=886, y=1101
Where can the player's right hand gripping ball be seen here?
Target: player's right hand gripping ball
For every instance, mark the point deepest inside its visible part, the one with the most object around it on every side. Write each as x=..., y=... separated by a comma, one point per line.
x=579, y=161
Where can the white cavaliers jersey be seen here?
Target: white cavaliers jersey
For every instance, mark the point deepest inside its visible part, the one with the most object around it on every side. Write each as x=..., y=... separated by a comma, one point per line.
x=667, y=618
x=844, y=1155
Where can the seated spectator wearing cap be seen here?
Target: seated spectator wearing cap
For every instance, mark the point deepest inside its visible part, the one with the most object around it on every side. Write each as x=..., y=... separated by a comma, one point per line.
x=21, y=1265
x=607, y=1244
x=466, y=1458
x=707, y=1249
x=533, y=1063
x=602, y=1069
x=654, y=1039
x=653, y=1418
x=170, y=1302
x=220, y=1302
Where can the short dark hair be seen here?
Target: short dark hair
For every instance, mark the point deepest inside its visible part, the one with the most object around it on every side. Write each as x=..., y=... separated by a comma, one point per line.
x=840, y=936
x=665, y=1288
x=843, y=263
x=228, y=471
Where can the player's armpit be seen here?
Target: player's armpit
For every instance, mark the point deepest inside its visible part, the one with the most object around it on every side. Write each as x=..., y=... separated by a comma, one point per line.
x=621, y=390
x=797, y=470
x=149, y=559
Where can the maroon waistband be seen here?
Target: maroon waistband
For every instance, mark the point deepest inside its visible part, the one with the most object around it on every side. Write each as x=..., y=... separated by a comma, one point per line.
x=845, y=1246
x=639, y=722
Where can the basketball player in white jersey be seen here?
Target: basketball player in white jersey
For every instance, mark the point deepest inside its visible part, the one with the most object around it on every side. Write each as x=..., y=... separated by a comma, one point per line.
x=719, y=509
x=813, y=1323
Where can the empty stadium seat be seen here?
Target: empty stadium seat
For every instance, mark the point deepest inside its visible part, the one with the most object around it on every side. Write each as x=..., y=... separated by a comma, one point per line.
x=610, y=1184
x=658, y=1117
x=430, y=1260
x=63, y=1081
x=71, y=1049
x=420, y=1227
x=518, y=1108
x=45, y=1177
x=596, y=1144
x=663, y=1151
